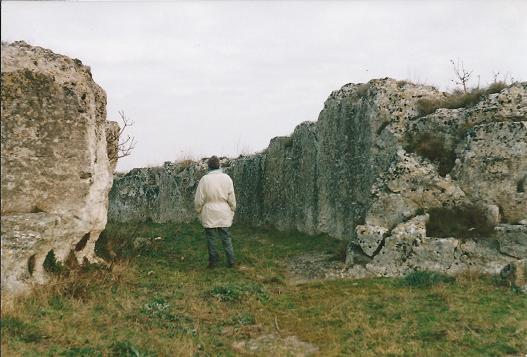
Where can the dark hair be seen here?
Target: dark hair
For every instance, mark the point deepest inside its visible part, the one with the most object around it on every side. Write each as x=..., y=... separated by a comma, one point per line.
x=214, y=163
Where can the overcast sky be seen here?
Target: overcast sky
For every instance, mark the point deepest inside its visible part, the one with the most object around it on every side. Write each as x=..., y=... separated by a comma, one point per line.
x=203, y=78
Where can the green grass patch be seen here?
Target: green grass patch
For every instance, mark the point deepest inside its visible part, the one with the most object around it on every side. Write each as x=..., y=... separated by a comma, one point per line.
x=426, y=279
x=241, y=319
x=164, y=301
x=235, y=292
x=20, y=330
x=82, y=352
x=127, y=349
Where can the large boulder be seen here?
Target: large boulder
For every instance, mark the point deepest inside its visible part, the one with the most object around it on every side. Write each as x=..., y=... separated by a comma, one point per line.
x=512, y=239
x=56, y=172
x=492, y=167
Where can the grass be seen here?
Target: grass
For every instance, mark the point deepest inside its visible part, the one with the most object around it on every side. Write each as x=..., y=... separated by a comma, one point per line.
x=457, y=99
x=427, y=279
x=165, y=302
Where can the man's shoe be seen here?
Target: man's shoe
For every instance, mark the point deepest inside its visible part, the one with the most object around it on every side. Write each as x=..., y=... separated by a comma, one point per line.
x=212, y=265
x=232, y=265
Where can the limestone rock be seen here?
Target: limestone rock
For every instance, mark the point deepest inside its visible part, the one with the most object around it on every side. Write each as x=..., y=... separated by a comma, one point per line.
x=369, y=238
x=408, y=249
x=56, y=174
x=493, y=215
x=390, y=209
x=318, y=180
x=368, y=171
x=507, y=105
x=434, y=254
x=493, y=167
x=512, y=240
x=158, y=194
x=391, y=259
x=408, y=185
x=479, y=257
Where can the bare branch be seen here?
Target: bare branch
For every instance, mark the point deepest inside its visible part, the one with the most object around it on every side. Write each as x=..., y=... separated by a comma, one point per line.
x=462, y=75
x=126, y=144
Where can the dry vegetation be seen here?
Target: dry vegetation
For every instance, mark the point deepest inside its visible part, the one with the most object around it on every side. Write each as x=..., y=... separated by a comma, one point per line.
x=457, y=99
x=433, y=148
x=165, y=302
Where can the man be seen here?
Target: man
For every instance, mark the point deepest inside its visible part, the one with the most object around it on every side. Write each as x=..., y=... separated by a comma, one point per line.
x=215, y=203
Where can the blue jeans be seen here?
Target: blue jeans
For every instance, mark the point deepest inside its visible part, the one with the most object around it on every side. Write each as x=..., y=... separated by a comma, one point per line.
x=223, y=234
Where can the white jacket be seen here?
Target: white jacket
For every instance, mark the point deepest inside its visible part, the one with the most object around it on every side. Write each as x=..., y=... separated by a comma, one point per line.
x=215, y=201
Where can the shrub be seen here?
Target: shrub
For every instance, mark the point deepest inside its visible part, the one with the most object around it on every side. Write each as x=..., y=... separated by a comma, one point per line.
x=460, y=222
x=496, y=87
x=434, y=149
x=428, y=105
x=425, y=279
x=457, y=99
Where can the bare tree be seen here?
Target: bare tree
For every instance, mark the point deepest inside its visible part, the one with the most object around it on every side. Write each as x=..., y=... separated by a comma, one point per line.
x=126, y=143
x=462, y=75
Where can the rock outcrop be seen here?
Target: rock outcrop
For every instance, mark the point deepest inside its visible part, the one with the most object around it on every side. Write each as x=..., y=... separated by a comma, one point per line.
x=444, y=191
x=56, y=173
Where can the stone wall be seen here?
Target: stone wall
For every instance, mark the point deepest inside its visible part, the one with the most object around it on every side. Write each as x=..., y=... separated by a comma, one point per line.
x=365, y=172
x=56, y=173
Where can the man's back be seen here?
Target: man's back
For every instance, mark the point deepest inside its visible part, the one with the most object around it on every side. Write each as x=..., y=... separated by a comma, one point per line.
x=215, y=200
x=216, y=186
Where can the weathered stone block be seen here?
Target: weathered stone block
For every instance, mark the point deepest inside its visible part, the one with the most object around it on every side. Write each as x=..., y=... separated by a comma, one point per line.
x=56, y=174
x=369, y=238
x=492, y=167
x=512, y=240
